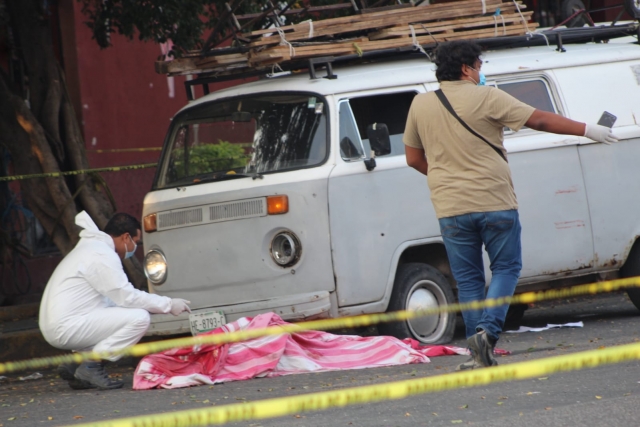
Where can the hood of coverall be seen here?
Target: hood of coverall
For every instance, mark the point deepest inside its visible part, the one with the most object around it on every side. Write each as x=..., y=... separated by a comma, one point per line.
x=91, y=230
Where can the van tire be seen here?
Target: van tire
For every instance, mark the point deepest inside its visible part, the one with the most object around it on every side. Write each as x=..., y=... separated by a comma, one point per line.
x=420, y=285
x=515, y=314
x=631, y=268
x=633, y=8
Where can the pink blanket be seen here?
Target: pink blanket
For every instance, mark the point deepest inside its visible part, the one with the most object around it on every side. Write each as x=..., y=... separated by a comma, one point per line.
x=272, y=356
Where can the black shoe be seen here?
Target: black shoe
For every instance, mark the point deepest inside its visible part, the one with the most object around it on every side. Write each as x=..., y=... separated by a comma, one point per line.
x=67, y=372
x=481, y=348
x=95, y=374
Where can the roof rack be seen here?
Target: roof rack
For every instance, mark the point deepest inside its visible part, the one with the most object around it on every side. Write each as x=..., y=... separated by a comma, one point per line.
x=558, y=37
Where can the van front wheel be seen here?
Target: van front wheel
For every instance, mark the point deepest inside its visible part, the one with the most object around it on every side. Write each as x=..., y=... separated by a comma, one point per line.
x=420, y=286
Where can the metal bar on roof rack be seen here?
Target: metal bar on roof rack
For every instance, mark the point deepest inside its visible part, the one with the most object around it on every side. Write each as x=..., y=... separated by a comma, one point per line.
x=618, y=17
x=559, y=43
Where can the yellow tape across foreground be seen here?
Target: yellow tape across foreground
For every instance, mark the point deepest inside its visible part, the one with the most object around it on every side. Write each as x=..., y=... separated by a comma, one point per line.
x=78, y=172
x=271, y=408
x=125, y=150
x=139, y=350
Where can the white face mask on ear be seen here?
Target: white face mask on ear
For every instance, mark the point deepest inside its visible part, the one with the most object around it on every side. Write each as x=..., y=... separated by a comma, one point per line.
x=128, y=254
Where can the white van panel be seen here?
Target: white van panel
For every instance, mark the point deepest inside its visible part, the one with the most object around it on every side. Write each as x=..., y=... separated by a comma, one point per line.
x=371, y=215
x=603, y=87
x=612, y=177
x=552, y=199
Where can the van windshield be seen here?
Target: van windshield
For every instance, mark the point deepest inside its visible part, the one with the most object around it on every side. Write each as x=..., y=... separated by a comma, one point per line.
x=237, y=137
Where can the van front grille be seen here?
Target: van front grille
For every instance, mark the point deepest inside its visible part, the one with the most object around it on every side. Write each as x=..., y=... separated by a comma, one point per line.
x=218, y=212
x=181, y=218
x=236, y=210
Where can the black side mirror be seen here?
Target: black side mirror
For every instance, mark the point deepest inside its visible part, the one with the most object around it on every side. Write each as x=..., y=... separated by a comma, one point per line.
x=241, y=116
x=378, y=135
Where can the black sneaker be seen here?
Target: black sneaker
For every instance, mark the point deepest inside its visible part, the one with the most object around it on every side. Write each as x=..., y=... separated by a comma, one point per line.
x=95, y=374
x=481, y=348
x=67, y=372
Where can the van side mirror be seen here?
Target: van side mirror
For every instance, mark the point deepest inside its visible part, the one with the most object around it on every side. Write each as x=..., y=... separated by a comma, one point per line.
x=378, y=135
x=241, y=116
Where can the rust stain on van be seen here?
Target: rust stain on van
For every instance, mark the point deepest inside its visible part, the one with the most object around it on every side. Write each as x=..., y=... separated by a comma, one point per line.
x=569, y=224
x=572, y=189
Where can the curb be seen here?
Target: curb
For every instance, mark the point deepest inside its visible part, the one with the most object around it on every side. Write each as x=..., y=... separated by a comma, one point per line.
x=26, y=344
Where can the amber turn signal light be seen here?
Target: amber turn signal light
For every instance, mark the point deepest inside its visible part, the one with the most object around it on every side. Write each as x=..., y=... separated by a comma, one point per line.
x=277, y=205
x=150, y=223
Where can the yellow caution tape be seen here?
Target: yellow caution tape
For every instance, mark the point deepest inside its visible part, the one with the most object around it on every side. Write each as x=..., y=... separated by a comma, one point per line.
x=78, y=172
x=271, y=408
x=144, y=349
x=125, y=150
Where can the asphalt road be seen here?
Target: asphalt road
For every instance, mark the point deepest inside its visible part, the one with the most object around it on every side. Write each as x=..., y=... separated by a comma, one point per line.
x=604, y=396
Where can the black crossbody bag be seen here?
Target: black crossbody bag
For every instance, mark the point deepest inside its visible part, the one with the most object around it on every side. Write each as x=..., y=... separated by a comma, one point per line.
x=449, y=108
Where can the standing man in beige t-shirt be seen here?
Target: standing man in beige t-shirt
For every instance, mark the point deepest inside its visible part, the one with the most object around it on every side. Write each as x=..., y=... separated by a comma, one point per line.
x=470, y=181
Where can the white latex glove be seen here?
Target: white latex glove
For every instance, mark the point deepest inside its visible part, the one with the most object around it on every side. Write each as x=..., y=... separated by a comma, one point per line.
x=599, y=133
x=178, y=305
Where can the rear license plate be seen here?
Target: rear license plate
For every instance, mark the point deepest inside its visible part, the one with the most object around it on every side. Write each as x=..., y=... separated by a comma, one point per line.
x=205, y=322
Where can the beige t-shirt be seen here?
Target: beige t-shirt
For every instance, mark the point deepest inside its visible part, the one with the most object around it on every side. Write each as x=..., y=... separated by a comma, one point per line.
x=465, y=174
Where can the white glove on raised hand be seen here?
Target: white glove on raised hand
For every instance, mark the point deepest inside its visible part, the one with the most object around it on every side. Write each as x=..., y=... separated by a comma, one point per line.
x=599, y=133
x=178, y=305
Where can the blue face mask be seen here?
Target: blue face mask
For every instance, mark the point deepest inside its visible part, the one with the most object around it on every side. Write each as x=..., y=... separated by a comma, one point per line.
x=128, y=254
x=483, y=79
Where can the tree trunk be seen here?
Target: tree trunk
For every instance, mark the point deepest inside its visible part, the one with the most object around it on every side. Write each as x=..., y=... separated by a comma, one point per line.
x=42, y=134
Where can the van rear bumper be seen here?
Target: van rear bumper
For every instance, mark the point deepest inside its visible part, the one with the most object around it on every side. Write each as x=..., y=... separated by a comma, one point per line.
x=290, y=308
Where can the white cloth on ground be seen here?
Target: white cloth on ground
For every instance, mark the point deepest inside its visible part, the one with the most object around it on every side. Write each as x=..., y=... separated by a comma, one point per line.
x=74, y=311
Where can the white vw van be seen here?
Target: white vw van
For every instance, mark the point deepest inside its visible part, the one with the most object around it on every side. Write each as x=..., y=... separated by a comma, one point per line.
x=265, y=197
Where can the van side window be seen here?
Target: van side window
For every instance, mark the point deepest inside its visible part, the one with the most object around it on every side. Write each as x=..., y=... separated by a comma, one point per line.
x=350, y=144
x=391, y=109
x=533, y=92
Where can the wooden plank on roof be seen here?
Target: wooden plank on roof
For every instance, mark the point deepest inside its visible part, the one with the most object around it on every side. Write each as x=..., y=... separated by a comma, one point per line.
x=390, y=14
x=454, y=24
x=307, y=31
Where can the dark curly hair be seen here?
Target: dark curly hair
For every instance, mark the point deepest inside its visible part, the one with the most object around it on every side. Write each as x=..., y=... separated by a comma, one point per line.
x=451, y=56
x=122, y=223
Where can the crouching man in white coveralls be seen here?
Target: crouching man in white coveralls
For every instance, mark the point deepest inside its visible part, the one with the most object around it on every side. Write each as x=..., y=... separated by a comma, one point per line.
x=89, y=303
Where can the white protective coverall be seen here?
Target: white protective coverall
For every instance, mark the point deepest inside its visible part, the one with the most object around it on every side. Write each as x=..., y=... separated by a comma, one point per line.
x=89, y=304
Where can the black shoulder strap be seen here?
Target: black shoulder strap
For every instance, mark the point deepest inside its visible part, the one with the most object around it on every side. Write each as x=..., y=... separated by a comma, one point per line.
x=449, y=108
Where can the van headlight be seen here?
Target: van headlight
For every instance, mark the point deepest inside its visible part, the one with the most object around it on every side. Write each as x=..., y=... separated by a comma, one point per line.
x=155, y=267
x=285, y=249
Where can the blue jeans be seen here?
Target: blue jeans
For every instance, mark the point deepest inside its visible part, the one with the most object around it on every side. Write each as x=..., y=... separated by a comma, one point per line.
x=463, y=237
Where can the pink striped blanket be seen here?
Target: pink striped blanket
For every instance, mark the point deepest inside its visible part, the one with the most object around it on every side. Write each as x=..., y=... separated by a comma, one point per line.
x=276, y=355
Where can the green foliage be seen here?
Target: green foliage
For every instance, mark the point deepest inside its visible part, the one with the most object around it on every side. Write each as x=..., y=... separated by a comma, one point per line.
x=206, y=158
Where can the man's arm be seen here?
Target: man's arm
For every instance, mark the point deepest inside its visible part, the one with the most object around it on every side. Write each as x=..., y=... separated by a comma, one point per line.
x=416, y=159
x=555, y=123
